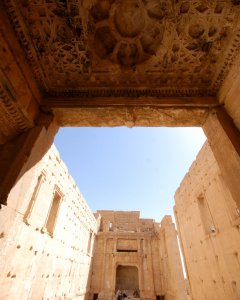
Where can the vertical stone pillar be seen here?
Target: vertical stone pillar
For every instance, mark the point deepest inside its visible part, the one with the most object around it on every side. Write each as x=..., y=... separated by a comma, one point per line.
x=107, y=291
x=23, y=152
x=224, y=140
x=175, y=278
x=184, y=255
x=149, y=280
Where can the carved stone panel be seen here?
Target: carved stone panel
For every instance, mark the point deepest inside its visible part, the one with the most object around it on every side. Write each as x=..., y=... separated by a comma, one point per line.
x=182, y=47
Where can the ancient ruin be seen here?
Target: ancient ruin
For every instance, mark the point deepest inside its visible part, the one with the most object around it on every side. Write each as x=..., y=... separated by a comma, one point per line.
x=47, y=236
x=136, y=255
x=112, y=63
x=209, y=230
x=53, y=247
x=116, y=63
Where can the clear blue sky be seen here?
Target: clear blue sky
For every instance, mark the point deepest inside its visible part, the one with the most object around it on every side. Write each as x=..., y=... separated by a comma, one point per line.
x=129, y=168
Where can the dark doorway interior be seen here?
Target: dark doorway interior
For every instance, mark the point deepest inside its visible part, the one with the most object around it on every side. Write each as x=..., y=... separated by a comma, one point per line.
x=95, y=296
x=127, y=278
x=160, y=297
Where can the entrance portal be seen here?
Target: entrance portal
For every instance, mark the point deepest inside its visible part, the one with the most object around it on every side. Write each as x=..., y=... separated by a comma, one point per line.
x=127, y=278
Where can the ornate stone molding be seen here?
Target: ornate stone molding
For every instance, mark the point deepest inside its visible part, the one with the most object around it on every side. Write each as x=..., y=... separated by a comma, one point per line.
x=231, y=54
x=24, y=38
x=12, y=120
x=182, y=49
x=129, y=92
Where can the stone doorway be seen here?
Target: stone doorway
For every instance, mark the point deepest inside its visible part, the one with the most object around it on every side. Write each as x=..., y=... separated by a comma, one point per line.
x=127, y=279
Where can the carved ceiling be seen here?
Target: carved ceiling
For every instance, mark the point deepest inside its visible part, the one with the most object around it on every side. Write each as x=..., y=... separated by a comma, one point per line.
x=165, y=47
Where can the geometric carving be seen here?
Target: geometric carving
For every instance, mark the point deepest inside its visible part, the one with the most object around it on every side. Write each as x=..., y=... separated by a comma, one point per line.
x=131, y=32
x=182, y=47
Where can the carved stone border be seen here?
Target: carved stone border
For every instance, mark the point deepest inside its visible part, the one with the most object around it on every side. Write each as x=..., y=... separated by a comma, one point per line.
x=230, y=56
x=25, y=40
x=16, y=119
x=128, y=92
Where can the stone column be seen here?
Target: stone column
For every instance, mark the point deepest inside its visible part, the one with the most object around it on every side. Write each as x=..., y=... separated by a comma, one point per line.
x=108, y=271
x=183, y=249
x=175, y=278
x=22, y=153
x=224, y=140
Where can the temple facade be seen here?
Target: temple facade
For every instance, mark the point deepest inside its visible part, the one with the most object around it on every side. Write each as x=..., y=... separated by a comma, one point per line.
x=138, y=256
x=208, y=221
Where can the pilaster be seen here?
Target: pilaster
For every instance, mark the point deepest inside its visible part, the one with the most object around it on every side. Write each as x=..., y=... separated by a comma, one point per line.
x=224, y=140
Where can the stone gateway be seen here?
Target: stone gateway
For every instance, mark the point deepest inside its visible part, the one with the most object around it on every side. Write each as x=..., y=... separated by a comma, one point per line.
x=115, y=63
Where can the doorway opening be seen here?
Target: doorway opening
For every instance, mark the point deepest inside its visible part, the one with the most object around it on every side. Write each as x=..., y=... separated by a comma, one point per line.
x=160, y=297
x=95, y=296
x=130, y=168
x=127, y=279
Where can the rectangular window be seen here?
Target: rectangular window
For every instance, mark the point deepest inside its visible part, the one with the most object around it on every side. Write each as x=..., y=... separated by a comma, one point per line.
x=206, y=216
x=53, y=212
x=127, y=245
x=110, y=227
x=28, y=213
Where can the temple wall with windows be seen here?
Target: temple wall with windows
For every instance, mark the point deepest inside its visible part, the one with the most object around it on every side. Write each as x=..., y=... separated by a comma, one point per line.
x=47, y=233
x=53, y=247
x=208, y=221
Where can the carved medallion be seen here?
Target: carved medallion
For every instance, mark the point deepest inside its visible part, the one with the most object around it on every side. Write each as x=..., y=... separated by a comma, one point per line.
x=129, y=18
x=132, y=30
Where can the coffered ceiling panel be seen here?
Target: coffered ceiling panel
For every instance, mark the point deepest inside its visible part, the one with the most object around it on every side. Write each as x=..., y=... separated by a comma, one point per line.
x=147, y=47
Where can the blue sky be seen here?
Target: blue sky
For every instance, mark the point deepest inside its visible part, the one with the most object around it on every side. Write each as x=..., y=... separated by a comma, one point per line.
x=129, y=168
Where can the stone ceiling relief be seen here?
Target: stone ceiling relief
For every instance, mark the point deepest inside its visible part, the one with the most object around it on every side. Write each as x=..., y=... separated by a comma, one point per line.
x=178, y=47
x=128, y=32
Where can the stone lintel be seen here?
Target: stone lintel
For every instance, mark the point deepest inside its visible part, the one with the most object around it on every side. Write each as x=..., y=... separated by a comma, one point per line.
x=136, y=98
x=147, y=116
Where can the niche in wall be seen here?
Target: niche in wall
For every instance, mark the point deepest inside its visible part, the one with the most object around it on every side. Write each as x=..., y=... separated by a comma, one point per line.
x=127, y=278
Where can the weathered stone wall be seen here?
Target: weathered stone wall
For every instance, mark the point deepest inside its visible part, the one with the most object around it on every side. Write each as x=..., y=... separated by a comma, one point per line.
x=126, y=240
x=208, y=220
x=47, y=233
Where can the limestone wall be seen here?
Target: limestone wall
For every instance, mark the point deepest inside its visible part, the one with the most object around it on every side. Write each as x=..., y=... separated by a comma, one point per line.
x=124, y=240
x=208, y=221
x=49, y=236
x=47, y=233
